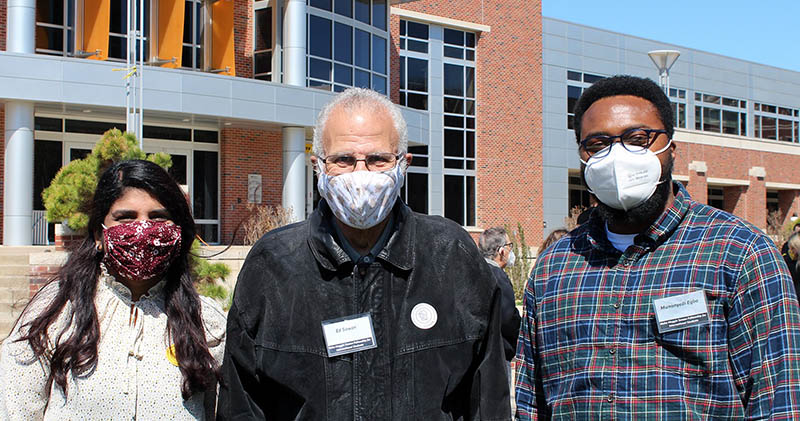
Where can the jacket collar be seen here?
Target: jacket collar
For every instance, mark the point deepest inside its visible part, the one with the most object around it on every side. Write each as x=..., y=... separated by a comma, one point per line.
x=398, y=252
x=659, y=231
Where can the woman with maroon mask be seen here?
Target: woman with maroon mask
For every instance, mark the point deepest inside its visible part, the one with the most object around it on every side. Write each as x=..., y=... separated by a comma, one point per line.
x=120, y=333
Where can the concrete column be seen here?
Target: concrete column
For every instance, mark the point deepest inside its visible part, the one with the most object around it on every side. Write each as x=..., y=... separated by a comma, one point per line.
x=294, y=140
x=294, y=171
x=21, y=20
x=18, y=174
x=18, y=156
x=757, y=198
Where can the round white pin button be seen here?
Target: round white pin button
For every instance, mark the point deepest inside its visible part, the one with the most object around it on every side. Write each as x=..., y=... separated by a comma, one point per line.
x=424, y=316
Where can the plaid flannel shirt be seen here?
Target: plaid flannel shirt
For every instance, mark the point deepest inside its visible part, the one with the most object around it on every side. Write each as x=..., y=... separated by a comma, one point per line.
x=589, y=347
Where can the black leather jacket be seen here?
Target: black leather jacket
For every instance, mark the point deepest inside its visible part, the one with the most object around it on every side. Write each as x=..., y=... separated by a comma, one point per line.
x=276, y=365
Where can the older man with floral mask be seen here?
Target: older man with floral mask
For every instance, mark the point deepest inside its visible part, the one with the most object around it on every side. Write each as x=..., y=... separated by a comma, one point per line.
x=366, y=310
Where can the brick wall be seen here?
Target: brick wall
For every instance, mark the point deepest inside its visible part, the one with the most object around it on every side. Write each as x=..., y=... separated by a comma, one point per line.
x=3, y=24
x=242, y=37
x=748, y=202
x=243, y=152
x=509, y=107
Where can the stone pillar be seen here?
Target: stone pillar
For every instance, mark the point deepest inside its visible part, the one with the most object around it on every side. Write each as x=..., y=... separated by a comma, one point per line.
x=294, y=140
x=698, y=185
x=18, y=158
x=757, y=198
x=18, y=174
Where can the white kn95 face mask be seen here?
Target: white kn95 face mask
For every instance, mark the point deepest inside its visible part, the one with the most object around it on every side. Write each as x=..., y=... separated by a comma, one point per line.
x=625, y=176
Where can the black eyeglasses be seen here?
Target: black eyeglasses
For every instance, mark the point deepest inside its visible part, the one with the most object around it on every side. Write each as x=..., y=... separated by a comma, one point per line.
x=636, y=138
x=373, y=162
x=506, y=245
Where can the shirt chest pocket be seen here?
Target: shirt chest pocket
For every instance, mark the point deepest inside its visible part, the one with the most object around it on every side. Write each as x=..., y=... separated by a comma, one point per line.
x=690, y=352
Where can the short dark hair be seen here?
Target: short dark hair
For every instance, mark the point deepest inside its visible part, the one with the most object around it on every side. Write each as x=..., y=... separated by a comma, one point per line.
x=625, y=85
x=491, y=240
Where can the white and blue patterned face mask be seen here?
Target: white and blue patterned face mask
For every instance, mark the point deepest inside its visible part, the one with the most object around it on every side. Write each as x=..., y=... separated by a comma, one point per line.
x=362, y=199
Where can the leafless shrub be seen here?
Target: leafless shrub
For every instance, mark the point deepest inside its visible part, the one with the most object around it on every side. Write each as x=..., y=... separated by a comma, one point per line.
x=776, y=229
x=571, y=221
x=264, y=218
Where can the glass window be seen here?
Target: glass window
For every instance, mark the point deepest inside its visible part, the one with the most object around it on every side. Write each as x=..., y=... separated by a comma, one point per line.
x=168, y=133
x=588, y=78
x=262, y=51
x=47, y=124
x=730, y=122
x=319, y=69
x=361, y=79
x=319, y=36
x=379, y=14
x=343, y=74
x=416, y=192
x=206, y=136
x=206, y=187
x=46, y=163
x=343, y=39
x=379, y=83
x=785, y=130
x=362, y=10
x=193, y=27
x=573, y=75
x=90, y=127
x=453, y=80
x=454, y=198
x=344, y=7
x=378, y=54
x=453, y=37
x=321, y=4
x=768, y=128
x=417, y=30
x=417, y=71
x=711, y=120
x=362, y=49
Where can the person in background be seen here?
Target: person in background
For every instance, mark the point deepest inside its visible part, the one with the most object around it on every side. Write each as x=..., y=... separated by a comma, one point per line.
x=120, y=332
x=498, y=251
x=658, y=307
x=792, y=253
x=790, y=260
x=552, y=238
x=366, y=310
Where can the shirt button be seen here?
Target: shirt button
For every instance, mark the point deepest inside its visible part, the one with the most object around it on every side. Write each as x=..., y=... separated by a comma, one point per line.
x=367, y=260
x=616, y=304
x=612, y=351
x=610, y=398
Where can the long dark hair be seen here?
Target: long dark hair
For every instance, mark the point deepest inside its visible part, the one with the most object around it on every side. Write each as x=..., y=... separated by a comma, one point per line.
x=78, y=285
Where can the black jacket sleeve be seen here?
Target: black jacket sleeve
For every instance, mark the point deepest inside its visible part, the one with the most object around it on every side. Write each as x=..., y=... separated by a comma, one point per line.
x=240, y=391
x=509, y=315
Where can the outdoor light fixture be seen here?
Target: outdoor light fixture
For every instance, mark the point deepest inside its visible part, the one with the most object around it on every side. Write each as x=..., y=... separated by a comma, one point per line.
x=664, y=59
x=793, y=217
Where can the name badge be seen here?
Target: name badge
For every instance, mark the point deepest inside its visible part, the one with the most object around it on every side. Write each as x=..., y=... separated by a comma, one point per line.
x=681, y=311
x=349, y=334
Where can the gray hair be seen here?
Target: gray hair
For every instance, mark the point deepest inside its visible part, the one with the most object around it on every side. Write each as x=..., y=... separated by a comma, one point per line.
x=491, y=240
x=353, y=99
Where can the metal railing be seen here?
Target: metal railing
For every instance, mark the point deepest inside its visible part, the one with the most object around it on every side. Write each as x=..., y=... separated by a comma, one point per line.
x=40, y=228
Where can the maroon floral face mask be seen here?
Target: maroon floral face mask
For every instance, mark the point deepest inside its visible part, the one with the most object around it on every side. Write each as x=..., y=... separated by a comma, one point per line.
x=141, y=250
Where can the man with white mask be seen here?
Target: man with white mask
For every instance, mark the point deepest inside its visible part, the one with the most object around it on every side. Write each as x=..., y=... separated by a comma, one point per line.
x=366, y=310
x=657, y=307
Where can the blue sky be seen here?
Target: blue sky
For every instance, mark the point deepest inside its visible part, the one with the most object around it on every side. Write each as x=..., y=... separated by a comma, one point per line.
x=766, y=32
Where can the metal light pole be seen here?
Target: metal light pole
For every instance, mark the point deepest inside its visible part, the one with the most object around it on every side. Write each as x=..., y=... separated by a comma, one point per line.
x=664, y=59
x=135, y=66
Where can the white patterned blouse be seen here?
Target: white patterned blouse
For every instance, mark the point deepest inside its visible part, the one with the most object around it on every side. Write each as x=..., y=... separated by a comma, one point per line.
x=136, y=377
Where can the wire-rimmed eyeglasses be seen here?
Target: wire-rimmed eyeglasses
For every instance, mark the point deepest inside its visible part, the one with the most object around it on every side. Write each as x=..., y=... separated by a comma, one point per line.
x=598, y=145
x=373, y=162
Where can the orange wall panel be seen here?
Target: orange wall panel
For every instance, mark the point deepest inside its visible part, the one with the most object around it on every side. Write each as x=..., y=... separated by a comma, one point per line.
x=95, y=27
x=222, y=48
x=170, y=31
